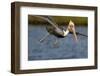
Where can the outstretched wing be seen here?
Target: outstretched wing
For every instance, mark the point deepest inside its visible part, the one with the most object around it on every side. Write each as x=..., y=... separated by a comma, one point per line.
x=48, y=19
x=51, y=19
x=77, y=33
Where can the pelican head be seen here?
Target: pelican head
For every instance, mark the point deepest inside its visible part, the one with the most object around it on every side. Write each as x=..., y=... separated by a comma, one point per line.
x=71, y=28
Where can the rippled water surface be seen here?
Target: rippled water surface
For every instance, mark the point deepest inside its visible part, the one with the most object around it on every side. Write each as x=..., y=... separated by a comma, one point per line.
x=66, y=48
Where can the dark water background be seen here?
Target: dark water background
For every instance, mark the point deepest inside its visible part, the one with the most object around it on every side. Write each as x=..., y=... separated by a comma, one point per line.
x=66, y=48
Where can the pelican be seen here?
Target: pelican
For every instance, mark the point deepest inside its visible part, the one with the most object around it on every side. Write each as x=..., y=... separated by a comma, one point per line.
x=58, y=32
x=61, y=33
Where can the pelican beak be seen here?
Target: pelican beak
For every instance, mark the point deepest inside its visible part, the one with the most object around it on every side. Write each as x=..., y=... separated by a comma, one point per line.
x=71, y=28
x=75, y=36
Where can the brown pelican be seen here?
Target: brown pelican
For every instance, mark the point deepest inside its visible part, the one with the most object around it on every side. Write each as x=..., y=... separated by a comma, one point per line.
x=58, y=32
x=61, y=33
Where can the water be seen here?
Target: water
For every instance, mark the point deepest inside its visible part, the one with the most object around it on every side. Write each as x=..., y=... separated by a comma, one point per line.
x=66, y=48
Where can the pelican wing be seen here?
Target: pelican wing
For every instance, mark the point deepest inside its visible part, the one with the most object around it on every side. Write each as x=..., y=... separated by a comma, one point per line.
x=77, y=33
x=48, y=19
x=51, y=19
